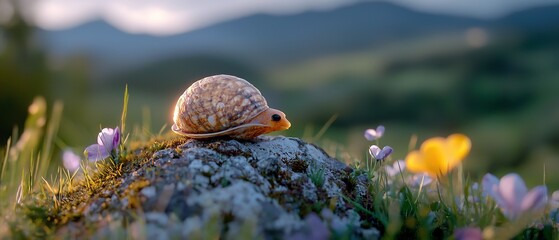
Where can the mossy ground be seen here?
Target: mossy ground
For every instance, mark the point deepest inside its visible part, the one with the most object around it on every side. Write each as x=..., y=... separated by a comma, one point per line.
x=47, y=211
x=397, y=213
x=62, y=210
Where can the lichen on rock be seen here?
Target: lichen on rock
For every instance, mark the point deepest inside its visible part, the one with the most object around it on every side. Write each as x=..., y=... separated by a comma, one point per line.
x=257, y=189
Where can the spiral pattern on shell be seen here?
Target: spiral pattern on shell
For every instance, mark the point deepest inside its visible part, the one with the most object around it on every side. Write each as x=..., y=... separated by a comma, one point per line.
x=217, y=103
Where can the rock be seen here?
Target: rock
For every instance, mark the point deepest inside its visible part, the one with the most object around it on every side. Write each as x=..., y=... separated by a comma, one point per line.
x=149, y=192
x=271, y=187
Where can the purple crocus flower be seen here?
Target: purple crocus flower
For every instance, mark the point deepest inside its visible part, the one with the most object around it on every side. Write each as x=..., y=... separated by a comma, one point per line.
x=374, y=134
x=397, y=167
x=468, y=233
x=70, y=160
x=379, y=154
x=107, y=145
x=512, y=196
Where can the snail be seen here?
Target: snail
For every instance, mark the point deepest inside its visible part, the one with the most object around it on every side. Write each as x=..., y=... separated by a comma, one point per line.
x=225, y=105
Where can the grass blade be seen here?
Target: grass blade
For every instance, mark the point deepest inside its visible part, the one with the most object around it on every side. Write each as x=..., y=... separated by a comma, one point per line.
x=124, y=110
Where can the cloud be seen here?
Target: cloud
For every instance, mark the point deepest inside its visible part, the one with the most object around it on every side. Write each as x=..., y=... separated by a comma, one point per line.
x=148, y=17
x=162, y=17
x=60, y=14
x=166, y=17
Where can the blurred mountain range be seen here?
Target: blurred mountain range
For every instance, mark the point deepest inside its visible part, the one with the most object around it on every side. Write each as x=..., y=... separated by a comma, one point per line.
x=267, y=40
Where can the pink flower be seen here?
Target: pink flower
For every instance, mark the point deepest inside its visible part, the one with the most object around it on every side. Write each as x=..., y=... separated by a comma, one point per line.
x=107, y=145
x=70, y=160
x=374, y=134
x=379, y=154
x=512, y=196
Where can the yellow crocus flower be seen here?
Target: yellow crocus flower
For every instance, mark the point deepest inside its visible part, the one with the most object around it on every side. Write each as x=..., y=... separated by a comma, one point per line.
x=437, y=156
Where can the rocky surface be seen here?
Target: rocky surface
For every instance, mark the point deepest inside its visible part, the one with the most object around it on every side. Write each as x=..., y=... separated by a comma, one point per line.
x=271, y=187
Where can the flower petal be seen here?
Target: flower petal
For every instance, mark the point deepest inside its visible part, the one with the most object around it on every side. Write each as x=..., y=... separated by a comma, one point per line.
x=384, y=153
x=415, y=163
x=380, y=131
x=491, y=188
x=490, y=185
x=468, y=233
x=535, y=200
x=435, y=157
x=70, y=160
x=96, y=152
x=374, y=134
x=460, y=145
x=512, y=190
x=374, y=151
x=116, y=139
x=106, y=136
x=370, y=134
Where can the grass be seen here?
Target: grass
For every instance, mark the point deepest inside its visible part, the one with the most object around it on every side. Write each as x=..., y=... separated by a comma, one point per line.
x=316, y=174
x=34, y=205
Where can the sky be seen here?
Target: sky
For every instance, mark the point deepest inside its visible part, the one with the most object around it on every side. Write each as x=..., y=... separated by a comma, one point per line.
x=167, y=17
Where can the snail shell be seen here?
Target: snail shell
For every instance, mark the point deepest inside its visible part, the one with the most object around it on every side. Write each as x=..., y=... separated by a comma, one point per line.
x=225, y=105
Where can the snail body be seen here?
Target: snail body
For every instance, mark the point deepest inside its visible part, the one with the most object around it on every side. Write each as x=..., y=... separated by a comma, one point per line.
x=225, y=105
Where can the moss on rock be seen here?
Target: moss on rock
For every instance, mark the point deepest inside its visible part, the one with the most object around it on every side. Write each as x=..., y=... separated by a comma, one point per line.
x=223, y=187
